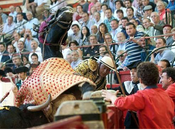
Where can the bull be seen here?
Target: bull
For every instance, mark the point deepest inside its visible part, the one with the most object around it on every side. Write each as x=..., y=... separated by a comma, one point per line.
x=12, y=117
x=53, y=32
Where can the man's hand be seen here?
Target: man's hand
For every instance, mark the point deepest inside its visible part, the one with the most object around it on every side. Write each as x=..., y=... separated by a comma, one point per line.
x=109, y=96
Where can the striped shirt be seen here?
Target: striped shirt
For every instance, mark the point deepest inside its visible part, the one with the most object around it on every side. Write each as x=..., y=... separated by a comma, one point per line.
x=133, y=49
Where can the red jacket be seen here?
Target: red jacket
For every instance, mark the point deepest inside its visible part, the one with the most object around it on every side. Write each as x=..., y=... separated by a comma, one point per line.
x=154, y=107
x=171, y=92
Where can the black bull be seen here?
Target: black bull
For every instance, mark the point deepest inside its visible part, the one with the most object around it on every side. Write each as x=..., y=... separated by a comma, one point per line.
x=12, y=117
x=53, y=32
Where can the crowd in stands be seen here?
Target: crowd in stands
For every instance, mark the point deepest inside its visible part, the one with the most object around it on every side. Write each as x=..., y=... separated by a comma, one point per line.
x=129, y=29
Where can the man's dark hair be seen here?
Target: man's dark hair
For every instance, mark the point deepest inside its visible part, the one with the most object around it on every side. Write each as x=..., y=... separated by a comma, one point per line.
x=120, y=1
x=104, y=5
x=128, y=24
x=34, y=54
x=76, y=25
x=167, y=62
x=163, y=39
x=125, y=18
x=148, y=73
x=1, y=43
x=170, y=71
x=119, y=11
x=109, y=9
x=115, y=20
x=104, y=47
x=130, y=8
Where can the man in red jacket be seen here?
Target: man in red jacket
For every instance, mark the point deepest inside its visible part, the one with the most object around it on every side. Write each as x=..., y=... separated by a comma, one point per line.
x=154, y=107
x=168, y=83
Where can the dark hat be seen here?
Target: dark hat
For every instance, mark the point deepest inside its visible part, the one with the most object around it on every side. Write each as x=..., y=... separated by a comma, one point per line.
x=148, y=7
x=133, y=65
x=7, y=70
x=167, y=25
x=2, y=73
x=21, y=69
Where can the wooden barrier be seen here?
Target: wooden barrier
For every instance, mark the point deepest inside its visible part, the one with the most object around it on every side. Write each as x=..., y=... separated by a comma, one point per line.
x=74, y=122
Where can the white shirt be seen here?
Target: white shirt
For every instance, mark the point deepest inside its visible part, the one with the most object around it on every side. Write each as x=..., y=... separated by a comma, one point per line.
x=29, y=25
x=39, y=2
x=9, y=29
x=38, y=52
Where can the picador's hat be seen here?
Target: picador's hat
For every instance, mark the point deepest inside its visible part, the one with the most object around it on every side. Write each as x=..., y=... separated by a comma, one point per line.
x=21, y=69
x=2, y=73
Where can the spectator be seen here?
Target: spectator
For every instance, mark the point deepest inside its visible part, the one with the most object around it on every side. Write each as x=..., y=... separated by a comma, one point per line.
x=128, y=3
x=97, y=19
x=20, y=24
x=98, y=7
x=124, y=21
x=78, y=15
x=34, y=59
x=91, y=14
x=173, y=48
x=75, y=59
x=3, y=53
x=17, y=61
x=65, y=50
x=171, y=5
x=68, y=57
x=120, y=57
x=104, y=8
x=109, y=18
x=132, y=47
x=35, y=49
x=3, y=15
x=84, y=36
x=28, y=39
x=130, y=14
x=167, y=30
x=73, y=45
x=121, y=40
x=101, y=33
x=111, y=43
x=139, y=27
x=162, y=53
x=157, y=24
x=56, y=4
x=119, y=15
x=45, y=15
x=25, y=61
x=115, y=28
x=119, y=6
x=92, y=3
x=28, y=4
x=93, y=50
x=87, y=21
x=76, y=33
x=31, y=21
x=147, y=48
x=9, y=27
x=1, y=25
x=94, y=29
x=161, y=9
x=84, y=4
x=147, y=11
x=102, y=50
x=11, y=50
x=12, y=13
x=37, y=7
x=19, y=10
x=164, y=64
x=169, y=20
x=16, y=37
x=21, y=49
x=147, y=2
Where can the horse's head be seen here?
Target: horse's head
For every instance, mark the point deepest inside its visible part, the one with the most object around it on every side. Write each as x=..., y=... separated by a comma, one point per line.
x=64, y=14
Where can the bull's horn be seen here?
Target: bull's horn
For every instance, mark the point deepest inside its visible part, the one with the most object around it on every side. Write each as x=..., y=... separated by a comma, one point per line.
x=40, y=107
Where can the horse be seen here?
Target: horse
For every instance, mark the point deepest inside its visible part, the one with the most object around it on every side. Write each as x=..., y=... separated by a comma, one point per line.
x=53, y=32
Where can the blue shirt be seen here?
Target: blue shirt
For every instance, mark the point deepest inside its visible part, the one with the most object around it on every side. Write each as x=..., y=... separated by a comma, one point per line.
x=107, y=22
x=133, y=49
x=166, y=54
